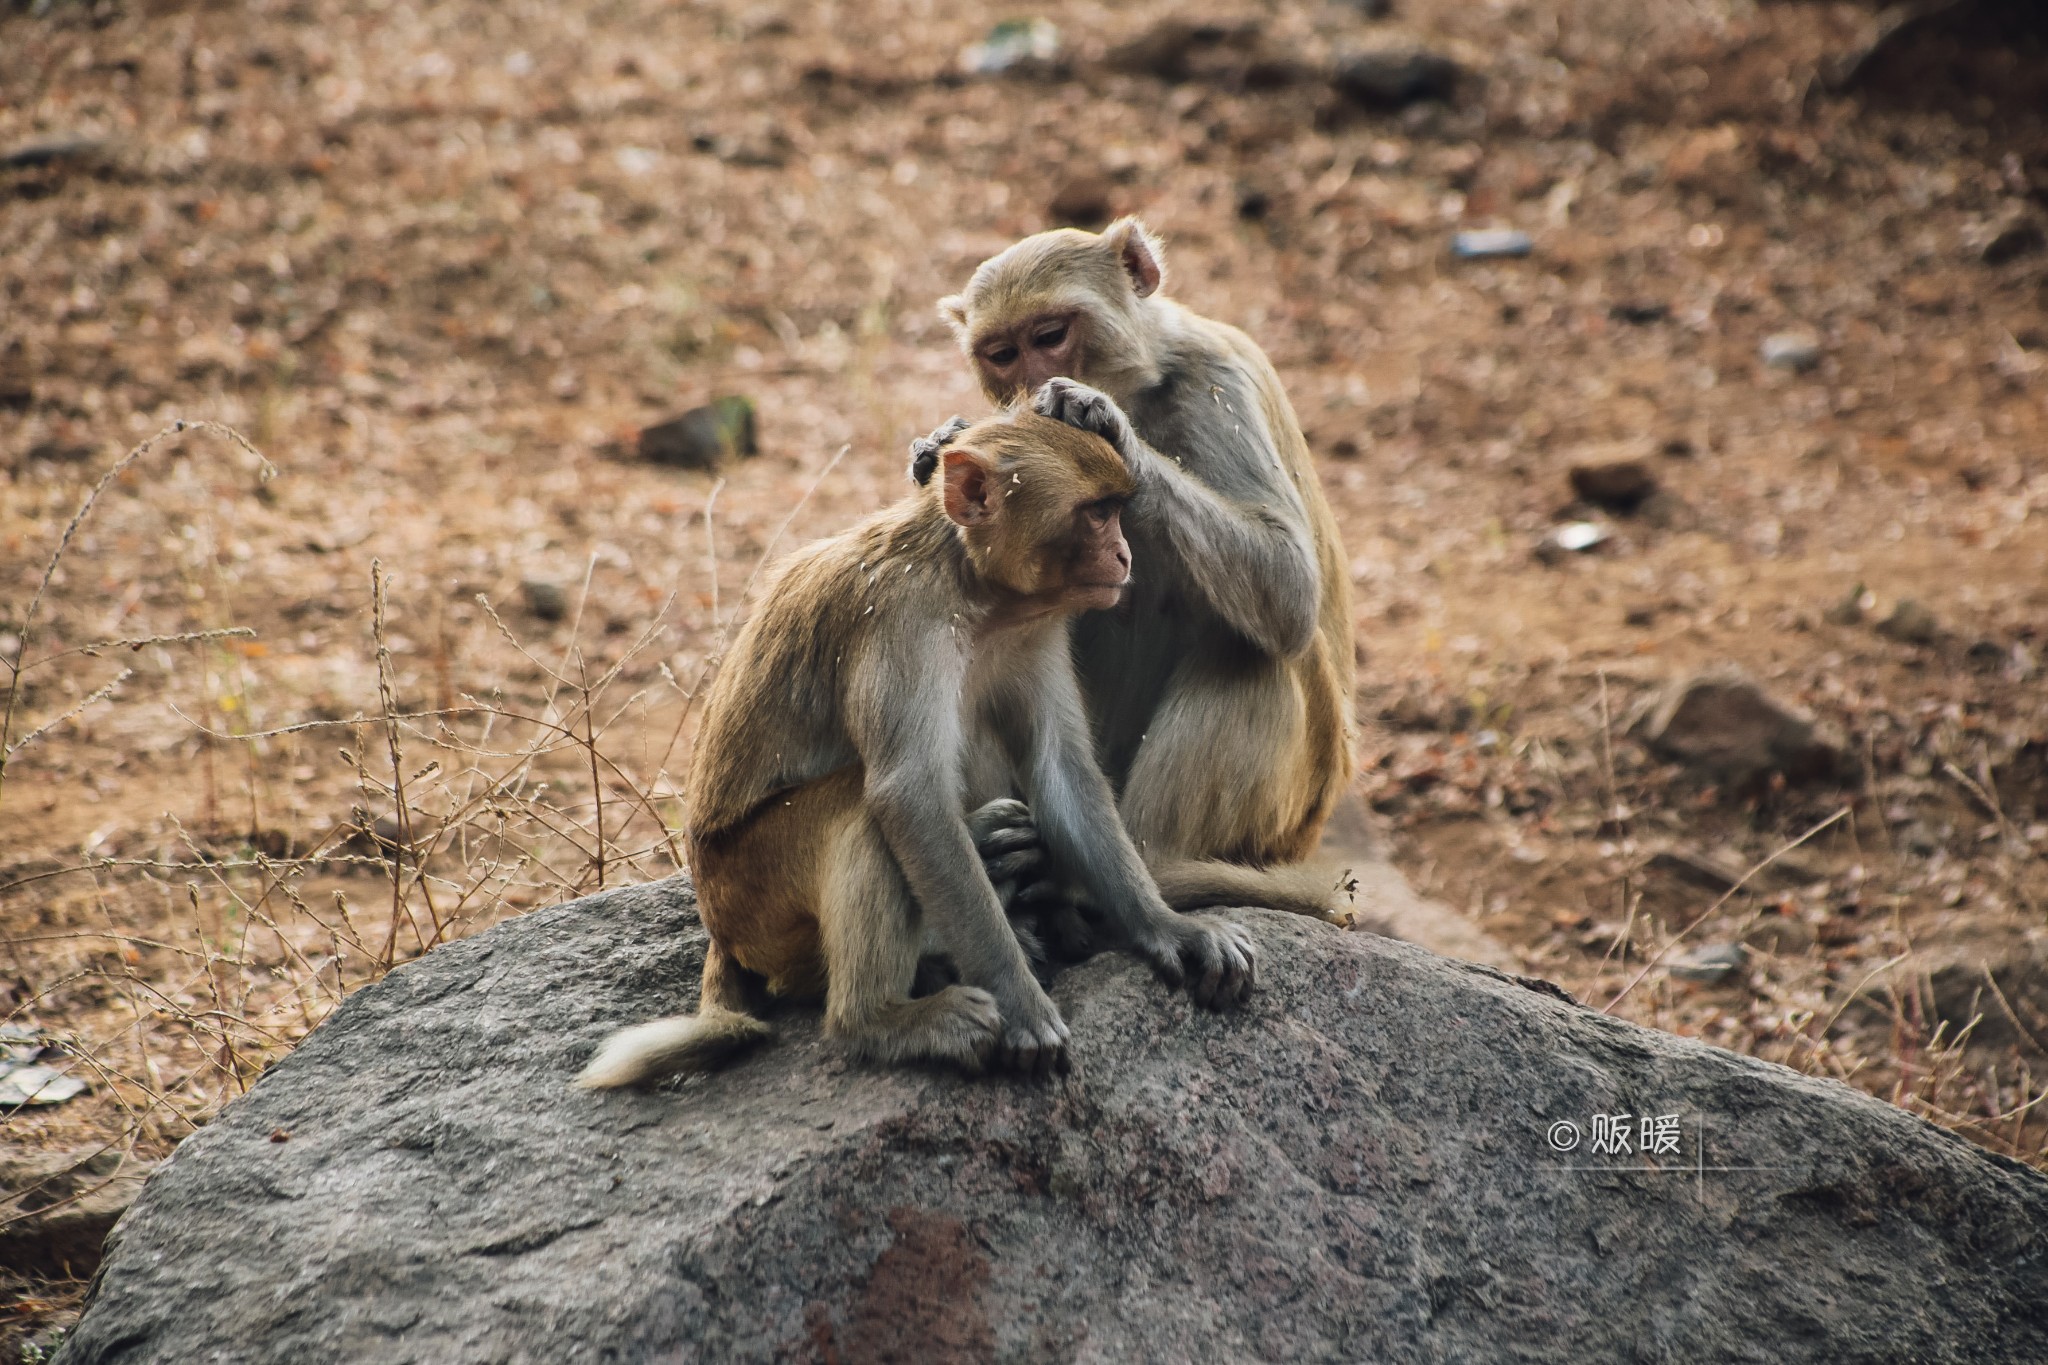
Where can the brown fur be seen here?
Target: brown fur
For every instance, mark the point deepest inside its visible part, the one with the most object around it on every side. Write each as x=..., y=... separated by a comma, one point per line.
x=889, y=677
x=1223, y=717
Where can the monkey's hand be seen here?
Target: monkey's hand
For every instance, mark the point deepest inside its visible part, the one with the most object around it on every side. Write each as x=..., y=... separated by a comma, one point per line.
x=1034, y=1037
x=1091, y=410
x=1214, y=958
x=924, y=451
x=1007, y=841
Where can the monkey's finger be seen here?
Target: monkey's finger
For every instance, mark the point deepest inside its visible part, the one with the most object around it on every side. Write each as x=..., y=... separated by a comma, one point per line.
x=1240, y=984
x=1014, y=867
x=1041, y=893
x=1052, y=1054
x=1252, y=962
x=1000, y=814
x=1209, y=988
x=1006, y=840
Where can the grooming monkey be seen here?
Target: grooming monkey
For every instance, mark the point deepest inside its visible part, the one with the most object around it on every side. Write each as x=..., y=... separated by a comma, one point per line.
x=1220, y=689
x=892, y=680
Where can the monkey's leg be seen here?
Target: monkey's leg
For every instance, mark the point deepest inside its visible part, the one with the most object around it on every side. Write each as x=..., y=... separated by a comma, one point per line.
x=872, y=940
x=1224, y=769
x=684, y=1042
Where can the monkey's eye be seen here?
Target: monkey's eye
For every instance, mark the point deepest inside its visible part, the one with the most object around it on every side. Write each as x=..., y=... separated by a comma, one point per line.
x=1100, y=513
x=1050, y=337
x=1004, y=354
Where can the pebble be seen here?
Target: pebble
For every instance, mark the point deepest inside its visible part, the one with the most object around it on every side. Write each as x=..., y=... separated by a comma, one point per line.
x=1166, y=50
x=1797, y=351
x=1086, y=201
x=1491, y=244
x=545, y=599
x=1011, y=44
x=703, y=438
x=1574, y=537
x=1723, y=725
x=2011, y=239
x=1639, y=314
x=1711, y=965
x=1987, y=656
x=1849, y=611
x=1618, y=485
x=1395, y=77
x=1910, y=623
x=42, y=151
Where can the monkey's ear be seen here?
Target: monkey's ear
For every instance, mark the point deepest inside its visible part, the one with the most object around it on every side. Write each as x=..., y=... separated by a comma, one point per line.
x=970, y=492
x=953, y=308
x=1137, y=250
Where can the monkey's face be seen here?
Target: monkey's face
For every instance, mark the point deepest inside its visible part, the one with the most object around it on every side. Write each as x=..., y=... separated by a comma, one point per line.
x=1062, y=303
x=1098, y=563
x=1040, y=505
x=1018, y=357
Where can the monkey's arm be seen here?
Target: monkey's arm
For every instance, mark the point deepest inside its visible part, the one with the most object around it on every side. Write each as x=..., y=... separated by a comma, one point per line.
x=1078, y=822
x=903, y=711
x=1241, y=536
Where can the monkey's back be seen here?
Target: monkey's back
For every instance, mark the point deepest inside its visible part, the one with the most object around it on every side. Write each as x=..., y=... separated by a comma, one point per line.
x=775, y=717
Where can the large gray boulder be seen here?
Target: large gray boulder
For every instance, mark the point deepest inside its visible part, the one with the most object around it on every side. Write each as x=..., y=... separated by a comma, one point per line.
x=1354, y=1167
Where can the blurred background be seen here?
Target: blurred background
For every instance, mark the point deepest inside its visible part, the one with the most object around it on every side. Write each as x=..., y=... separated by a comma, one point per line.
x=1635, y=342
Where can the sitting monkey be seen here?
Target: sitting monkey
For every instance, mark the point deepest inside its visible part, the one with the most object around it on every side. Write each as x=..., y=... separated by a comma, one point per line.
x=892, y=680
x=1220, y=689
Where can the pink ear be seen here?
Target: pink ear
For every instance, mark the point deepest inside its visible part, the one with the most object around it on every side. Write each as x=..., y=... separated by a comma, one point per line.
x=968, y=492
x=1137, y=253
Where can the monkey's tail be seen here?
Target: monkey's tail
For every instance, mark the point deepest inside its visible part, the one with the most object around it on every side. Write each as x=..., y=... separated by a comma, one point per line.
x=1299, y=889
x=719, y=1029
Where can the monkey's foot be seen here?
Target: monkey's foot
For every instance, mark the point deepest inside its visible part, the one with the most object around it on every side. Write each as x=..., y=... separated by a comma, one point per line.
x=958, y=1026
x=1215, y=959
x=1091, y=410
x=1034, y=1040
x=1052, y=925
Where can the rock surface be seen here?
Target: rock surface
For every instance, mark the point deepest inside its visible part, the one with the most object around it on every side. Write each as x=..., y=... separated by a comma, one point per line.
x=1354, y=1167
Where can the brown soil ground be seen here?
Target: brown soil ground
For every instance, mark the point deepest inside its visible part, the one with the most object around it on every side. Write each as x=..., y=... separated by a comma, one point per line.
x=440, y=261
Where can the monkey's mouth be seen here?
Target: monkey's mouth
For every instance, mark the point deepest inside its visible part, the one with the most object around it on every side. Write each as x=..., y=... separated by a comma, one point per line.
x=1099, y=596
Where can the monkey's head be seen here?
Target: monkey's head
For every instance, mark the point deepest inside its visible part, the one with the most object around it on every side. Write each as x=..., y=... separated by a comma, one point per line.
x=1039, y=505
x=1067, y=303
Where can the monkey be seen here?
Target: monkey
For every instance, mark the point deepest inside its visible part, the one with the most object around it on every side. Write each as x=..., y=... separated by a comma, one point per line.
x=1220, y=688
x=893, y=679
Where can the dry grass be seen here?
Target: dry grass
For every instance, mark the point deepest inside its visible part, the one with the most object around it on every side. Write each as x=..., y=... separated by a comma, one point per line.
x=469, y=810
x=456, y=824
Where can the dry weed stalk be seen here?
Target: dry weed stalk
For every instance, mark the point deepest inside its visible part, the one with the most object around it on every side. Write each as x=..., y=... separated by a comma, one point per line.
x=460, y=816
